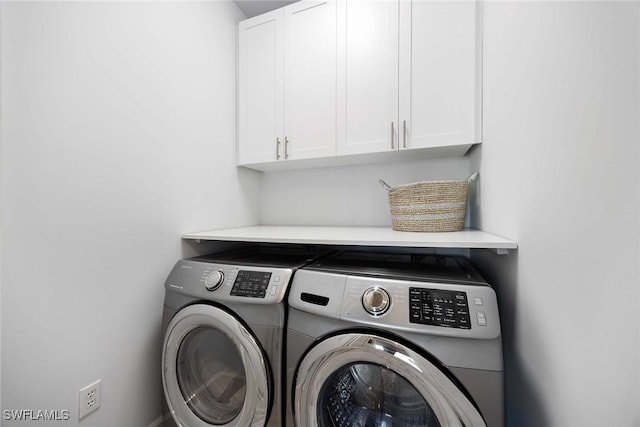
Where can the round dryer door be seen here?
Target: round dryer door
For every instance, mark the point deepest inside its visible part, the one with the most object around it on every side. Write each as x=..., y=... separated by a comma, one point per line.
x=360, y=380
x=214, y=372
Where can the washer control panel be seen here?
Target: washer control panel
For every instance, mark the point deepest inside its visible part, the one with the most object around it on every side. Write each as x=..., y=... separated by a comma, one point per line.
x=447, y=309
x=439, y=307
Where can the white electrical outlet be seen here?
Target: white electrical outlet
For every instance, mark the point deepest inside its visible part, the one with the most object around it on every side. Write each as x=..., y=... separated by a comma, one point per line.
x=89, y=399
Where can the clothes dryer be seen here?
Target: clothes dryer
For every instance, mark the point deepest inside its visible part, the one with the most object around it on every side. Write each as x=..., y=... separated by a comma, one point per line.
x=391, y=339
x=223, y=324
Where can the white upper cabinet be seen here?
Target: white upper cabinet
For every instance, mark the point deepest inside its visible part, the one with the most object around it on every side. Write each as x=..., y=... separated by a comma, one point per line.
x=334, y=82
x=368, y=77
x=310, y=79
x=260, y=65
x=287, y=84
x=411, y=75
x=440, y=74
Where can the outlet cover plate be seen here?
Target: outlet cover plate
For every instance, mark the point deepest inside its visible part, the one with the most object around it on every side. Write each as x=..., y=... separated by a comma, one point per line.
x=89, y=399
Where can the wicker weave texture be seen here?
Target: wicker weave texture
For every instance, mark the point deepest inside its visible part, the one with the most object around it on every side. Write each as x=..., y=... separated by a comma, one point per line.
x=432, y=206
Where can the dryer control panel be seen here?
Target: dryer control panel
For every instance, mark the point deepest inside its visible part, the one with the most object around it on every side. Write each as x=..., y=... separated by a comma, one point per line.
x=229, y=283
x=251, y=283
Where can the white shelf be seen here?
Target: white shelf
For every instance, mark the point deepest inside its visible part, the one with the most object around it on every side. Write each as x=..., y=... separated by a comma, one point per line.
x=359, y=236
x=456, y=150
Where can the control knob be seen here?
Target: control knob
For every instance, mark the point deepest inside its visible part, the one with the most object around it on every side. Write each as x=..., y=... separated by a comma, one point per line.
x=376, y=301
x=214, y=280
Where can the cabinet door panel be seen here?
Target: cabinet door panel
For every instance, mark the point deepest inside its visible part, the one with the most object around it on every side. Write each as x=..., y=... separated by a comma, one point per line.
x=439, y=65
x=369, y=64
x=310, y=79
x=260, y=89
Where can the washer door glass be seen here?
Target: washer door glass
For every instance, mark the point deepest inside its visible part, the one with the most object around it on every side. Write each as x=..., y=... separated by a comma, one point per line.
x=367, y=394
x=366, y=380
x=211, y=375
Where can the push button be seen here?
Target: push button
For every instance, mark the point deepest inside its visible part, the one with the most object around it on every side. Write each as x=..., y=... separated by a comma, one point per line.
x=274, y=289
x=478, y=301
x=481, y=317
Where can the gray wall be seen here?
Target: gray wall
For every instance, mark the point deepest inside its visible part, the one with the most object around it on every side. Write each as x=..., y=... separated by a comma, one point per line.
x=118, y=133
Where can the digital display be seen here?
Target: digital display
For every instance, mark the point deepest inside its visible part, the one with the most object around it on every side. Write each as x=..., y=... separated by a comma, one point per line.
x=251, y=284
x=439, y=308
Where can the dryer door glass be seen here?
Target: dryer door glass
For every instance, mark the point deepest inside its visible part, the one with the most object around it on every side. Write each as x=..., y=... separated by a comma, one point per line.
x=367, y=394
x=211, y=375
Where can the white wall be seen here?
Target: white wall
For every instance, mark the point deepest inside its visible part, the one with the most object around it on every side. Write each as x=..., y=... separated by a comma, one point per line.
x=1, y=124
x=559, y=174
x=348, y=195
x=118, y=135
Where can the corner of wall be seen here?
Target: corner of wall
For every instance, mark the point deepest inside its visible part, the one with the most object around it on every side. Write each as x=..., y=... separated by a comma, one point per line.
x=474, y=214
x=638, y=46
x=1, y=192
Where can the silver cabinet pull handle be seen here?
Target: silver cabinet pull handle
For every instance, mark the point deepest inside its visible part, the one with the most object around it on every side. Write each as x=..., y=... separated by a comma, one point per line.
x=277, y=148
x=286, y=145
x=404, y=134
x=392, y=132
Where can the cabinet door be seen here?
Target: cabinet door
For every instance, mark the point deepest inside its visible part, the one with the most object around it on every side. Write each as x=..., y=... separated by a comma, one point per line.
x=439, y=72
x=368, y=63
x=260, y=62
x=310, y=79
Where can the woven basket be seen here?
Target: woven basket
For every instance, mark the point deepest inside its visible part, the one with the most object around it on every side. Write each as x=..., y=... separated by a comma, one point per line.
x=432, y=206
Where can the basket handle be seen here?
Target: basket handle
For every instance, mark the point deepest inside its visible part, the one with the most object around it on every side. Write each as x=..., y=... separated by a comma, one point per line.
x=472, y=177
x=384, y=184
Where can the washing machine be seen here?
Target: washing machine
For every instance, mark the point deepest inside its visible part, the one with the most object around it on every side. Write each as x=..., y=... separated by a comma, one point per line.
x=379, y=339
x=223, y=325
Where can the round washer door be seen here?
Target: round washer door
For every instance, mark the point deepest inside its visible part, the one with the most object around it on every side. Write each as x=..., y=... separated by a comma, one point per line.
x=365, y=380
x=214, y=372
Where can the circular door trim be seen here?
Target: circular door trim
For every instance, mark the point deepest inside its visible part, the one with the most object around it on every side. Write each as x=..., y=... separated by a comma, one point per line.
x=450, y=405
x=257, y=402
